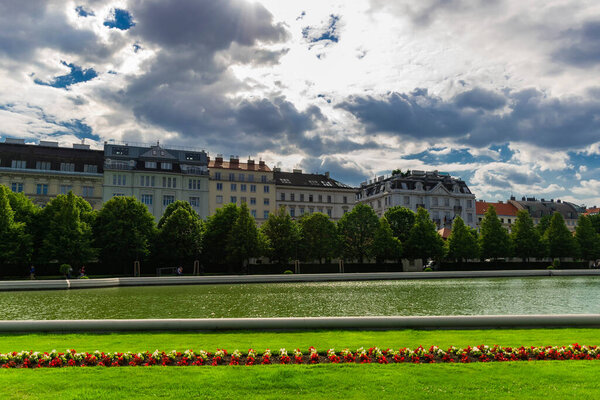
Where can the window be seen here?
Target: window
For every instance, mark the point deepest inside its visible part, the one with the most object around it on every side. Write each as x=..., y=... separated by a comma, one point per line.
x=17, y=187
x=406, y=199
x=502, y=220
x=456, y=202
x=263, y=178
x=233, y=187
x=253, y=188
x=292, y=196
x=320, y=209
x=88, y=191
x=310, y=198
x=195, y=201
x=243, y=187
x=320, y=198
x=329, y=199
x=194, y=184
x=241, y=177
x=41, y=188
x=282, y=196
x=434, y=201
x=168, y=199
x=345, y=199
x=266, y=214
x=147, y=180
x=469, y=203
x=232, y=177
x=147, y=199
x=292, y=212
x=266, y=201
x=166, y=165
x=447, y=201
x=70, y=167
x=45, y=165
x=301, y=210
x=329, y=212
x=509, y=220
x=243, y=199
x=253, y=213
x=64, y=189
x=250, y=178
x=301, y=196
x=120, y=151
x=266, y=189
x=150, y=164
x=219, y=186
x=193, y=156
x=174, y=183
x=119, y=180
x=219, y=199
x=233, y=199
x=252, y=200
x=18, y=164
x=379, y=203
x=93, y=169
x=218, y=176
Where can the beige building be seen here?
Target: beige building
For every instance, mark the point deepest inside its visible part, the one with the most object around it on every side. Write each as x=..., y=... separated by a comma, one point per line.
x=242, y=182
x=310, y=193
x=46, y=170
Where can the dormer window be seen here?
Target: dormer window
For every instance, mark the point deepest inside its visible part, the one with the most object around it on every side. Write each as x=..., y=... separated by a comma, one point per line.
x=166, y=165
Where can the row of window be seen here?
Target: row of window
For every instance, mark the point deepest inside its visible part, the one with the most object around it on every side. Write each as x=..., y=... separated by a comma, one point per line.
x=243, y=187
x=233, y=199
x=311, y=198
x=240, y=177
x=148, y=199
x=47, y=165
x=167, y=166
x=301, y=211
x=435, y=202
x=42, y=189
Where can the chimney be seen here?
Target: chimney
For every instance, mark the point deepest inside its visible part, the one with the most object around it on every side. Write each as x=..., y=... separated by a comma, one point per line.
x=261, y=164
x=276, y=169
x=326, y=174
x=250, y=164
x=219, y=159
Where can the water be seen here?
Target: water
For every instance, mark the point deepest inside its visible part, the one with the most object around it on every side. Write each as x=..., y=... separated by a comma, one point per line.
x=541, y=295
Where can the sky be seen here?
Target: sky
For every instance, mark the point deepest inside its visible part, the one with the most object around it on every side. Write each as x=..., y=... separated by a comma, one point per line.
x=504, y=94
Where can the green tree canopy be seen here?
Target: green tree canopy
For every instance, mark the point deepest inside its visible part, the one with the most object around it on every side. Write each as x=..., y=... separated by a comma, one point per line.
x=493, y=237
x=385, y=246
x=283, y=235
x=179, y=240
x=173, y=207
x=543, y=225
x=216, y=233
x=462, y=243
x=243, y=241
x=356, y=230
x=595, y=220
x=525, y=238
x=561, y=242
x=67, y=221
x=423, y=240
x=401, y=220
x=15, y=243
x=319, y=238
x=587, y=239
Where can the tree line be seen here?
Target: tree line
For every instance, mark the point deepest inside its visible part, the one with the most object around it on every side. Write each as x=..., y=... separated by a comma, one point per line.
x=67, y=230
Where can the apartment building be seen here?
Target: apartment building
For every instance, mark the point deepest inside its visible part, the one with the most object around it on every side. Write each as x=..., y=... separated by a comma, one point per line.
x=157, y=176
x=43, y=171
x=540, y=208
x=242, y=182
x=302, y=193
x=442, y=195
x=507, y=212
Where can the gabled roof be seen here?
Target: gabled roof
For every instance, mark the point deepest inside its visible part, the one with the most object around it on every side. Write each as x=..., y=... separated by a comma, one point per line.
x=592, y=211
x=501, y=208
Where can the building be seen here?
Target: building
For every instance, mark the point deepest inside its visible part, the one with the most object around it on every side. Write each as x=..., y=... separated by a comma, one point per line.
x=442, y=195
x=242, y=182
x=46, y=170
x=157, y=176
x=507, y=212
x=303, y=194
x=540, y=208
x=592, y=211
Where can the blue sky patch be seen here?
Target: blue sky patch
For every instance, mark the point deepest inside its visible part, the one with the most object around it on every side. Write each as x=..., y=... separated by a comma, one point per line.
x=328, y=33
x=122, y=19
x=82, y=12
x=76, y=127
x=76, y=75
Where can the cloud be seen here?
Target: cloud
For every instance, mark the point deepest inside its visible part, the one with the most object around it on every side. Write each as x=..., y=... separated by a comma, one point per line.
x=325, y=34
x=581, y=45
x=82, y=12
x=120, y=19
x=76, y=75
x=480, y=98
x=341, y=169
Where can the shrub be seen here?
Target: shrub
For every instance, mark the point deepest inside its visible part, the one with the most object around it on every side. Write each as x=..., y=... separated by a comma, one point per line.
x=427, y=269
x=287, y=271
x=65, y=269
x=556, y=263
x=550, y=267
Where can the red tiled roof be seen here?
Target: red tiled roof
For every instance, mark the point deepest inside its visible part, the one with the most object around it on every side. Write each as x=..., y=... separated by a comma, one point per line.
x=501, y=208
x=444, y=233
x=592, y=211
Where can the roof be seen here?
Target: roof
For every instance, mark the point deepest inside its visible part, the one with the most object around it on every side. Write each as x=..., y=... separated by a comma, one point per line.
x=262, y=167
x=539, y=208
x=592, y=211
x=444, y=233
x=422, y=181
x=309, y=180
x=32, y=154
x=501, y=208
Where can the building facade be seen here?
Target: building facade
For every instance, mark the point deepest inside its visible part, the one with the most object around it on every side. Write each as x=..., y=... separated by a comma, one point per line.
x=540, y=208
x=303, y=194
x=242, y=182
x=45, y=170
x=443, y=196
x=157, y=176
x=507, y=212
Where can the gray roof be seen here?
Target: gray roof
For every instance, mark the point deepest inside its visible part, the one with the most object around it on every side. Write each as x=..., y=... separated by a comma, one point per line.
x=308, y=180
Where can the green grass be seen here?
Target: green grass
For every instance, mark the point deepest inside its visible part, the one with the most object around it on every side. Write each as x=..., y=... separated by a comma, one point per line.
x=322, y=340
x=523, y=380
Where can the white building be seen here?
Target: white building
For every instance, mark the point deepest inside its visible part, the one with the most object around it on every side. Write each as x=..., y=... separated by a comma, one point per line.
x=309, y=193
x=442, y=195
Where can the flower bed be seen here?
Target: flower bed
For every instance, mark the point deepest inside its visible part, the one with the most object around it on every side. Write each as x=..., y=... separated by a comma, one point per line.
x=482, y=353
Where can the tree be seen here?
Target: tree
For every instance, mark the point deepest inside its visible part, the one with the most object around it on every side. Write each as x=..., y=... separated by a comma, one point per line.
x=173, y=207
x=216, y=233
x=401, y=220
x=356, y=230
x=318, y=237
x=385, y=246
x=15, y=243
x=462, y=242
x=561, y=242
x=283, y=235
x=243, y=241
x=124, y=230
x=179, y=240
x=525, y=238
x=68, y=235
x=595, y=220
x=543, y=225
x=493, y=240
x=27, y=213
x=423, y=240
x=587, y=239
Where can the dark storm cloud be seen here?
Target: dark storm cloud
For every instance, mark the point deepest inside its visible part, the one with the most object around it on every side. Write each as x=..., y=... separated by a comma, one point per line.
x=581, y=46
x=480, y=98
x=531, y=117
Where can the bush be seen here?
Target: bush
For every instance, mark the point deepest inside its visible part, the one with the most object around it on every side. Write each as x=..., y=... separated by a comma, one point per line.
x=427, y=269
x=556, y=263
x=550, y=267
x=65, y=269
x=287, y=271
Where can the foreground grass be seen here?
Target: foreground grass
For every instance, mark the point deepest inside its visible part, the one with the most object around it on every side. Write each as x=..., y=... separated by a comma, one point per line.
x=523, y=380
x=322, y=340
